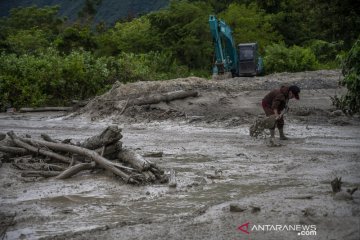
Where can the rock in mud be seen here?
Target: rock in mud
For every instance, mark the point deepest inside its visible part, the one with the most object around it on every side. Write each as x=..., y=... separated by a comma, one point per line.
x=255, y=209
x=308, y=212
x=234, y=207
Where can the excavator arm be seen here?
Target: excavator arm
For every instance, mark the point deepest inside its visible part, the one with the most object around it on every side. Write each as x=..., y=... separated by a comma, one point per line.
x=225, y=50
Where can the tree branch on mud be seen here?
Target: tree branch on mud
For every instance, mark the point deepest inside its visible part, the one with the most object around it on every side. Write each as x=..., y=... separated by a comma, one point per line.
x=96, y=151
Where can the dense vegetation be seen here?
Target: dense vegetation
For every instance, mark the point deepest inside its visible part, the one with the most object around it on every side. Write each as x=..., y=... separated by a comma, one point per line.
x=46, y=59
x=350, y=102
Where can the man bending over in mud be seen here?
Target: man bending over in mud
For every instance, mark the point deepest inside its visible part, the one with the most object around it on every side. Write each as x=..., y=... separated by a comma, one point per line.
x=275, y=102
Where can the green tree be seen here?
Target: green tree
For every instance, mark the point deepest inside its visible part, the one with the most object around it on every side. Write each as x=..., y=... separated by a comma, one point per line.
x=50, y=77
x=183, y=31
x=250, y=24
x=134, y=36
x=336, y=20
x=27, y=41
x=43, y=23
x=45, y=18
x=75, y=37
x=350, y=102
x=279, y=58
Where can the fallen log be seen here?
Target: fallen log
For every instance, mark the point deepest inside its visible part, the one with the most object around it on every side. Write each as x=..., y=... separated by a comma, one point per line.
x=103, y=162
x=13, y=150
x=45, y=174
x=110, y=151
x=149, y=176
x=76, y=169
x=18, y=141
x=111, y=134
x=118, y=165
x=2, y=136
x=134, y=159
x=164, y=97
x=38, y=166
x=79, y=103
x=46, y=109
x=7, y=142
x=47, y=138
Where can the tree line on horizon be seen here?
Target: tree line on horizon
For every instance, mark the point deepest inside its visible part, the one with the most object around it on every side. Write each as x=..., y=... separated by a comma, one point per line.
x=46, y=59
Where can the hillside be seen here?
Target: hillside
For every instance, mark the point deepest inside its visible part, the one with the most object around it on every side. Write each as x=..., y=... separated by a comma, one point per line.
x=106, y=10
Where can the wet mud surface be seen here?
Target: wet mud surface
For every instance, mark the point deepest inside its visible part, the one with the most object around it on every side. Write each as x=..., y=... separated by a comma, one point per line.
x=206, y=141
x=285, y=182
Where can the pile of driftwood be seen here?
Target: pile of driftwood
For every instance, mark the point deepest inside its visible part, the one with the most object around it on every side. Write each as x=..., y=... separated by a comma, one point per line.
x=63, y=159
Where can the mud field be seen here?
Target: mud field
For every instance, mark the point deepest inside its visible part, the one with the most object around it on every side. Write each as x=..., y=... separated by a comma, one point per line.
x=225, y=178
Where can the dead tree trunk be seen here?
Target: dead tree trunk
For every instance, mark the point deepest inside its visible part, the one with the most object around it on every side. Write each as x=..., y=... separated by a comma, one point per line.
x=110, y=151
x=165, y=97
x=134, y=159
x=76, y=169
x=14, y=150
x=46, y=109
x=47, y=138
x=20, y=143
x=111, y=134
x=45, y=174
x=103, y=162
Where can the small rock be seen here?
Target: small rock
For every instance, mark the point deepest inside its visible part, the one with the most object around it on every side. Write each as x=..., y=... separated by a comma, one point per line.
x=314, y=159
x=66, y=211
x=308, y=212
x=195, y=184
x=255, y=209
x=236, y=208
x=147, y=193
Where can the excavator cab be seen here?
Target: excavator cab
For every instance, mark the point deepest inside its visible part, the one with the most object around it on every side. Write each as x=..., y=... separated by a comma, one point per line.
x=250, y=63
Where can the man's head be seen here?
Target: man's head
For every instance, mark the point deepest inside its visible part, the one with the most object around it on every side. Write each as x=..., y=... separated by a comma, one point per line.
x=294, y=92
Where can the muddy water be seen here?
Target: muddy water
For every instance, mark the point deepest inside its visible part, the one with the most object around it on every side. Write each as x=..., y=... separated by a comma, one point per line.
x=246, y=170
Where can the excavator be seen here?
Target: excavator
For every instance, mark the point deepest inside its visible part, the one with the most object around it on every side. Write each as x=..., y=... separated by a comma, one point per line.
x=243, y=60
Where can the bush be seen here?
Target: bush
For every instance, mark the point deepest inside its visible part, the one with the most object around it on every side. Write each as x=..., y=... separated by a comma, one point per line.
x=27, y=41
x=148, y=66
x=350, y=102
x=279, y=58
x=50, y=78
x=325, y=51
